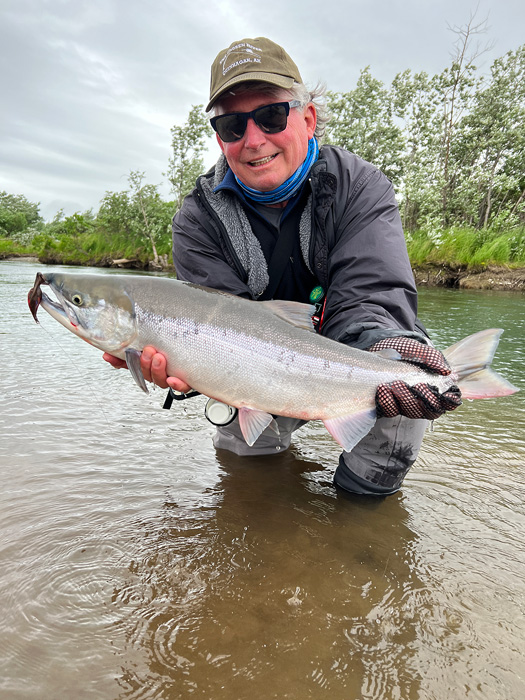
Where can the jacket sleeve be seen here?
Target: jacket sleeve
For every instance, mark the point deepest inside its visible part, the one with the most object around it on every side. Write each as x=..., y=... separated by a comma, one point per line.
x=371, y=292
x=198, y=255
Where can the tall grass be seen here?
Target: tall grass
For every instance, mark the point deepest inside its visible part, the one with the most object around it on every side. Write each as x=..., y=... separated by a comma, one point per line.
x=8, y=247
x=467, y=247
x=97, y=247
x=456, y=246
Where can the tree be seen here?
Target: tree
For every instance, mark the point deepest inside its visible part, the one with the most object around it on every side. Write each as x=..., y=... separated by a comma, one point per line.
x=188, y=143
x=457, y=86
x=415, y=103
x=115, y=216
x=150, y=212
x=18, y=214
x=453, y=144
x=490, y=153
x=128, y=219
x=362, y=122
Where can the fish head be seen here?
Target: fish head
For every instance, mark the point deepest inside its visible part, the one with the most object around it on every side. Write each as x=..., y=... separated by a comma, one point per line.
x=97, y=308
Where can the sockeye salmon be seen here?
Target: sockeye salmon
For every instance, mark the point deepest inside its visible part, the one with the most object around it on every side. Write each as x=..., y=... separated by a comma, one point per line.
x=264, y=358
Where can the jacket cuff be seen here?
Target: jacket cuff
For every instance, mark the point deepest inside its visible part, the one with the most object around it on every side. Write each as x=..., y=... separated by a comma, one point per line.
x=364, y=335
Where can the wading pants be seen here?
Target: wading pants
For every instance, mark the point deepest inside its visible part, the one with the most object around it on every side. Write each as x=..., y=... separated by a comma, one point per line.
x=376, y=466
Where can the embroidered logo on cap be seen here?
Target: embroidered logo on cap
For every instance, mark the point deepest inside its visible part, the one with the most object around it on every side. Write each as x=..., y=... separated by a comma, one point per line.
x=238, y=55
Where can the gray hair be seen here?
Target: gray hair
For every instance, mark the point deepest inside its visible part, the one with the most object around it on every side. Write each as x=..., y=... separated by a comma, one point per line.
x=299, y=91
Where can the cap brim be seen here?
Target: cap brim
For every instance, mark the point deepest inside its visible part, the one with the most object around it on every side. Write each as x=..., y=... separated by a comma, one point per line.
x=282, y=81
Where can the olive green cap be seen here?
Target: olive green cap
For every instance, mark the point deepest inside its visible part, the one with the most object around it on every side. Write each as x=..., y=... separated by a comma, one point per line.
x=252, y=59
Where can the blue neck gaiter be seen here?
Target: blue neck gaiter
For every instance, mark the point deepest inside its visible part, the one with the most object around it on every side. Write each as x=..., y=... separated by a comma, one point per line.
x=289, y=187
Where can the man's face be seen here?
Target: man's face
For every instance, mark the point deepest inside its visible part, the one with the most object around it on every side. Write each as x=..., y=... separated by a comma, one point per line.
x=264, y=161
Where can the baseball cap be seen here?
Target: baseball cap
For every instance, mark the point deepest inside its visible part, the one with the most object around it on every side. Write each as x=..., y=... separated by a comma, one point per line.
x=252, y=59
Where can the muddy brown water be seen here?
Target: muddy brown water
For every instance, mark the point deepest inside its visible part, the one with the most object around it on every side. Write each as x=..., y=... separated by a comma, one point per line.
x=137, y=562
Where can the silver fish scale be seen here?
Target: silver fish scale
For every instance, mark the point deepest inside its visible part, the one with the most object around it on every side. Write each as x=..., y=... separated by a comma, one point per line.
x=259, y=360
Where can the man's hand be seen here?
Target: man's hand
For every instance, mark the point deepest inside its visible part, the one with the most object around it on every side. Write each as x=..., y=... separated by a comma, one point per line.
x=421, y=400
x=424, y=356
x=153, y=366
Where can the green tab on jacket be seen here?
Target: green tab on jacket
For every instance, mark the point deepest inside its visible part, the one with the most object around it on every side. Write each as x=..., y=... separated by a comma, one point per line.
x=316, y=295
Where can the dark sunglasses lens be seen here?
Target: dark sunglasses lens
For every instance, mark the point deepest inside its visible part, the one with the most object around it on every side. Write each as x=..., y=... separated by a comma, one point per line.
x=271, y=118
x=231, y=127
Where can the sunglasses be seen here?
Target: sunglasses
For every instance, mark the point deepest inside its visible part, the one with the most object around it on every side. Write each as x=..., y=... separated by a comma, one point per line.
x=271, y=119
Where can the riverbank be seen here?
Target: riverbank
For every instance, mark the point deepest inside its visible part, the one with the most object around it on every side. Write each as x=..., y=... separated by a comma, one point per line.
x=499, y=278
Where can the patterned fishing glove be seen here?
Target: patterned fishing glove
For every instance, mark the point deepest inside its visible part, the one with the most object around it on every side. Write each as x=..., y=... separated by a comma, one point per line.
x=421, y=400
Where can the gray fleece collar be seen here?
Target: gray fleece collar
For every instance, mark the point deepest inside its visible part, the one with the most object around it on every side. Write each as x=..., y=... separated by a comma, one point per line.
x=235, y=222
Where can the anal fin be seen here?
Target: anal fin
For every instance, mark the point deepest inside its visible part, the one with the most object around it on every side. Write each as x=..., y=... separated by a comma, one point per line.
x=349, y=430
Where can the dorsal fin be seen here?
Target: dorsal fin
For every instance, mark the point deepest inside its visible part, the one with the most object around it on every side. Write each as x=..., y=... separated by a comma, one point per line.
x=293, y=312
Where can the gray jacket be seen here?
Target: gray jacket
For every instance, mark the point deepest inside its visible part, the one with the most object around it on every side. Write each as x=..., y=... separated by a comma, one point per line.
x=351, y=239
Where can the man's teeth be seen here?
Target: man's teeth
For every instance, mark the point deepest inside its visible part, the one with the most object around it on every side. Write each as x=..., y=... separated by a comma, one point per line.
x=262, y=161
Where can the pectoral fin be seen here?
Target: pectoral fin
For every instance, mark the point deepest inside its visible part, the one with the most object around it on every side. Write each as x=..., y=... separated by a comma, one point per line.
x=133, y=362
x=253, y=422
x=349, y=430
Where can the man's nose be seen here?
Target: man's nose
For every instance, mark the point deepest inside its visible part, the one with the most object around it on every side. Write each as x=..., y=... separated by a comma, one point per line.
x=253, y=136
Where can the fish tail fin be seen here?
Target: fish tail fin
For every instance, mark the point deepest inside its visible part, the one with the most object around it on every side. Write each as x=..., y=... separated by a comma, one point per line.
x=470, y=359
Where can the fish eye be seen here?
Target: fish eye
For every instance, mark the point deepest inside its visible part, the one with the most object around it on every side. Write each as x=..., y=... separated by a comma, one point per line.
x=76, y=299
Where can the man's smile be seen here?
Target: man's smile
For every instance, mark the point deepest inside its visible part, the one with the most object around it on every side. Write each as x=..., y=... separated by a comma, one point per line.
x=262, y=161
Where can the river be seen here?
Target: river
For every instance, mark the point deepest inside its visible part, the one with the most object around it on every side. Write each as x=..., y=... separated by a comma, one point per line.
x=139, y=563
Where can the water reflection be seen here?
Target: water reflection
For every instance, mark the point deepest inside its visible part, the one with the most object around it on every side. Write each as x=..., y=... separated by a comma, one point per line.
x=270, y=577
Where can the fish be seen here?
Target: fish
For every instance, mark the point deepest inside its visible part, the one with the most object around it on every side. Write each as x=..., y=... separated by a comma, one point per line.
x=262, y=357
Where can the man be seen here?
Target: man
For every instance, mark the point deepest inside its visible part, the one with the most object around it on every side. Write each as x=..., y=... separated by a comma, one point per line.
x=277, y=218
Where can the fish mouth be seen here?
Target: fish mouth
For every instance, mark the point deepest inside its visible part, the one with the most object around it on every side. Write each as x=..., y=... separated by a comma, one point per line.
x=34, y=297
x=58, y=310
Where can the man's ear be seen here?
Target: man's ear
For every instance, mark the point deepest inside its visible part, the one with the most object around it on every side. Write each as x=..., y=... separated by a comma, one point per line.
x=310, y=116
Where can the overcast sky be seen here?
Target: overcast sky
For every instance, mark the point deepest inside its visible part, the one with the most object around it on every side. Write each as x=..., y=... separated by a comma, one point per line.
x=90, y=89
